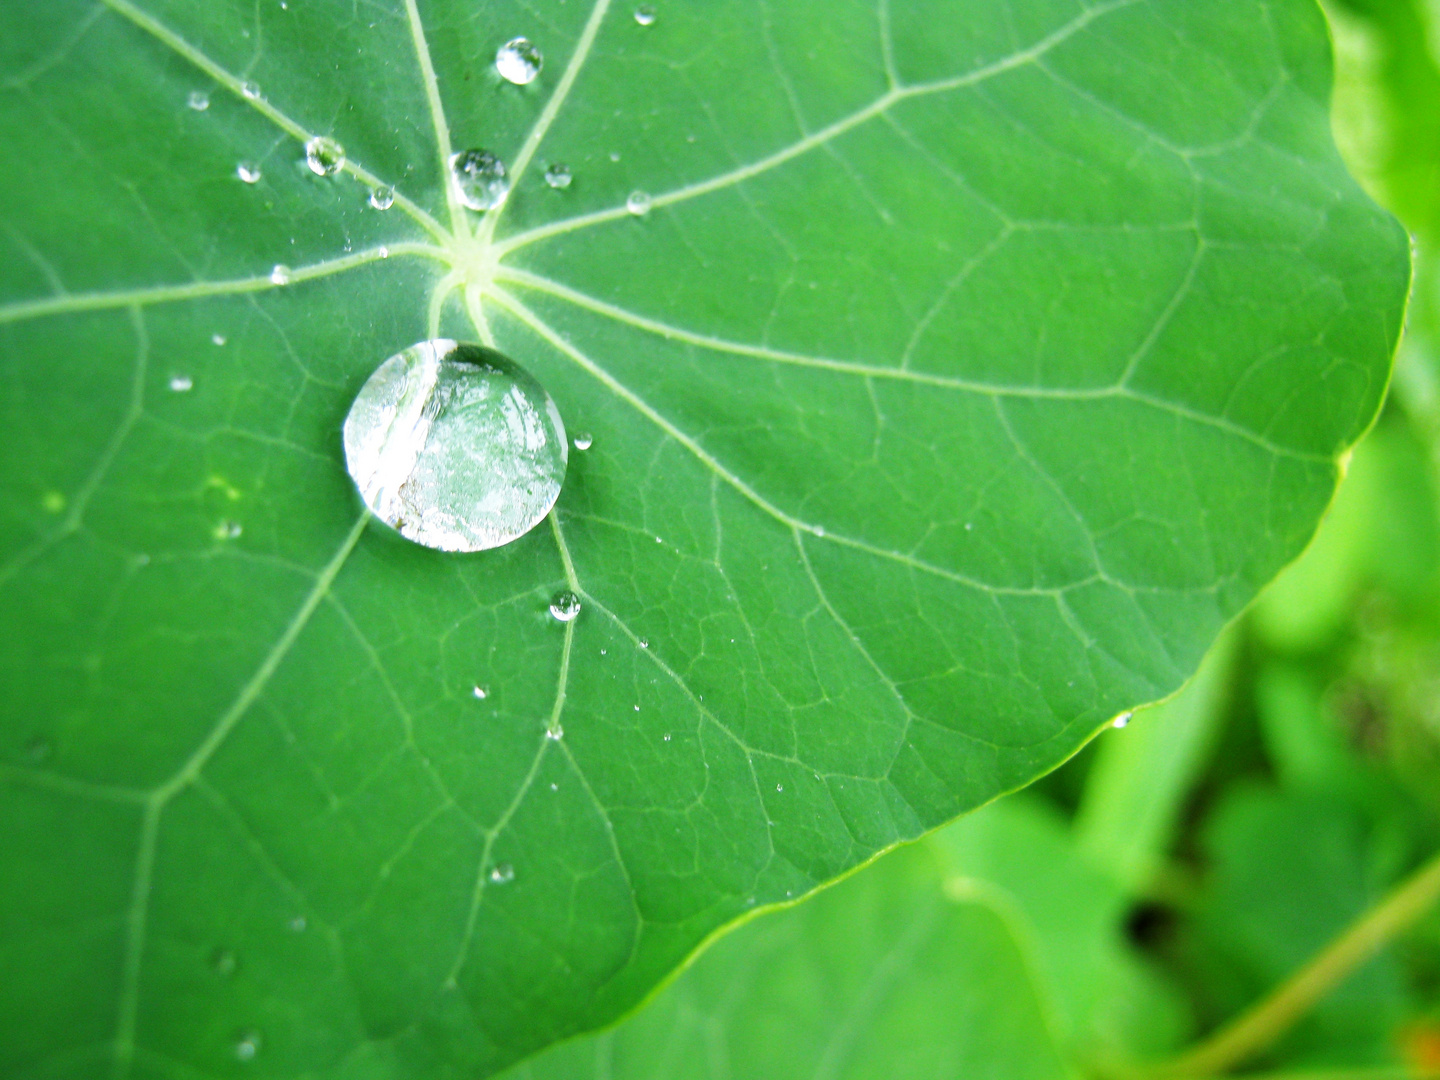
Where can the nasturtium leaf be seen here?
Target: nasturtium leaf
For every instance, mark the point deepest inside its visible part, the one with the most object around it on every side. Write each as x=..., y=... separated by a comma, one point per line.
x=971, y=364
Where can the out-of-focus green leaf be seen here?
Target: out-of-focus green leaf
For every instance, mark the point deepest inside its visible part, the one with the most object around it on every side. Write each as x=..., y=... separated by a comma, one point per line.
x=1141, y=775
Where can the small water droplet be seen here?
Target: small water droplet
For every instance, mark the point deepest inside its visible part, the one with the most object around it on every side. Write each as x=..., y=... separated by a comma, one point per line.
x=583, y=441
x=481, y=692
x=559, y=176
x=645, y=15
x=637, y=708
x=456, y=446
x=280, y=275
x=604, y=652
x=218, y=339
x=644, y=643
x=198, y=100
x=615, y=155
x=667, y=736
x=324, y=155
x=250, y=90
x=298, y=924
x=223, y=962
x=518, y=61
x=383, y=197
x=228, y=530
x=480, y=179
x=181, y=384
x=247, y=1045
x=39, y=749
x=555, y=731
x=502, y=873
x=779, y=787
x=1122, y=720
x=249, y=172
x=565, y=606
x=383, y=251
x=638, y=203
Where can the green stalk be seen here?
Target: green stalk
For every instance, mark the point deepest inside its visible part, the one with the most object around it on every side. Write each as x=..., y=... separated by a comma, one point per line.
x=1272, y=1016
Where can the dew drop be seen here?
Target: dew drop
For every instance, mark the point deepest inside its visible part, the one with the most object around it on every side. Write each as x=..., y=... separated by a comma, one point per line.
x=228, y=530
x=502, y=873
x=198, y=100
x=615, y=155
x=298, y=924
x=325, y=156
x=667, y=736
x=249, y=172
x=218, y=339
x=383, y=251
x=280, y=275
x=558, y=176
x=638, y=203
x=645, y=15
x=382, y=198
x=1122, y=720
x=181, y=384
x=247, y=1045
x=644, y=643
x=250, y=90
x=518, y=61
x=456, y=446
x=223, y=962
x=479, y=179
x=584, y=441
x=555, y=732
x=565, y=606
x=481, y=693
x=554, y=787
x=779, y=787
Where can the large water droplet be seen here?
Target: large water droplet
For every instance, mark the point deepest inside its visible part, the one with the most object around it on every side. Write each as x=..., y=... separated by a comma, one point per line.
x=250, y=90
x=382, y=198
x=645, y=15
x=518, y=61
x=480, y=179
x=456, y=446
x=247, y=1045
x=584, y=441
x=638, y=203
x=198, y=100
x=558, y=176
x=249, y=172
x=502, y=873
x=325, y=156
x=565, y=606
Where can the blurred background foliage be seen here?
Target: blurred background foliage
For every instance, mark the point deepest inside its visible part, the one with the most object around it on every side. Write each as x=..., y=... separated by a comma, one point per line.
x=1175, y=872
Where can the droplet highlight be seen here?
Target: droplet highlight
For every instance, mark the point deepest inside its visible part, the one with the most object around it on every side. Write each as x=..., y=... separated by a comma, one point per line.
x=502, y=873
x=249, y=172
x=382, y=198
x=456, y=446
x=324, y=156
x=480, y=179
x=198, y=100
x=584, y=441
x=518, y=61
x=559, y=176
x=638, y=203
x=565, y=606
x=645, y=15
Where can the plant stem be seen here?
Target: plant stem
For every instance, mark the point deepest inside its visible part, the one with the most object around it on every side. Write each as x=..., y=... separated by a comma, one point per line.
x=1272, y=1016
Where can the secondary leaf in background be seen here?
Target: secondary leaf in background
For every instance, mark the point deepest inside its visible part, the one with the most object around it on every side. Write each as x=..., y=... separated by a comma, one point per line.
x=972, y=366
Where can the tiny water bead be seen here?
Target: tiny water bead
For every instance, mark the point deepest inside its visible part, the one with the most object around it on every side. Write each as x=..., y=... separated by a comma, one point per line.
x=481, y=692
x=249, y=172
x=280, y=274
x=555, y=732
x=518, y=61
x=565, y=606
x=198, y=100
x=247, y=1045
x=1123, y=720
x=638, y=203
x=382, y=198
x=455, y=446
x=480, y=179
x=558, y=176
x=181, y=384
x=250, y=90
x=584, y=441
x=645, y=15
x=298, y=924
x=502, y=873
x=324, y=156
x=217, y=339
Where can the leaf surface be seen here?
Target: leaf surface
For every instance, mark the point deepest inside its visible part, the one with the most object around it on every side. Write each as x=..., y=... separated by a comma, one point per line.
x=972, y=366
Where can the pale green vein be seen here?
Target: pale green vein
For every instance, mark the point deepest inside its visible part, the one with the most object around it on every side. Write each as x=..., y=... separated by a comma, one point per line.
x=540, y=327
x=823, y=136
x=135, y=940
x=552, y=109
x=74, y=303
x=458, y=222
x=68, y=785
x=176, y=43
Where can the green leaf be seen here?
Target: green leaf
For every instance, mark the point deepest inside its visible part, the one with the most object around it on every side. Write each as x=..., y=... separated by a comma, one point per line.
x=973, y=366
x=951, y=957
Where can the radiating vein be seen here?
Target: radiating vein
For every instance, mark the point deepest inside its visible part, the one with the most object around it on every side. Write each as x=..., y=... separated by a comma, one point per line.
x=73, y=303
x=175, y=42
x=824, y=135
x=443, y=147
x=552, y=109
